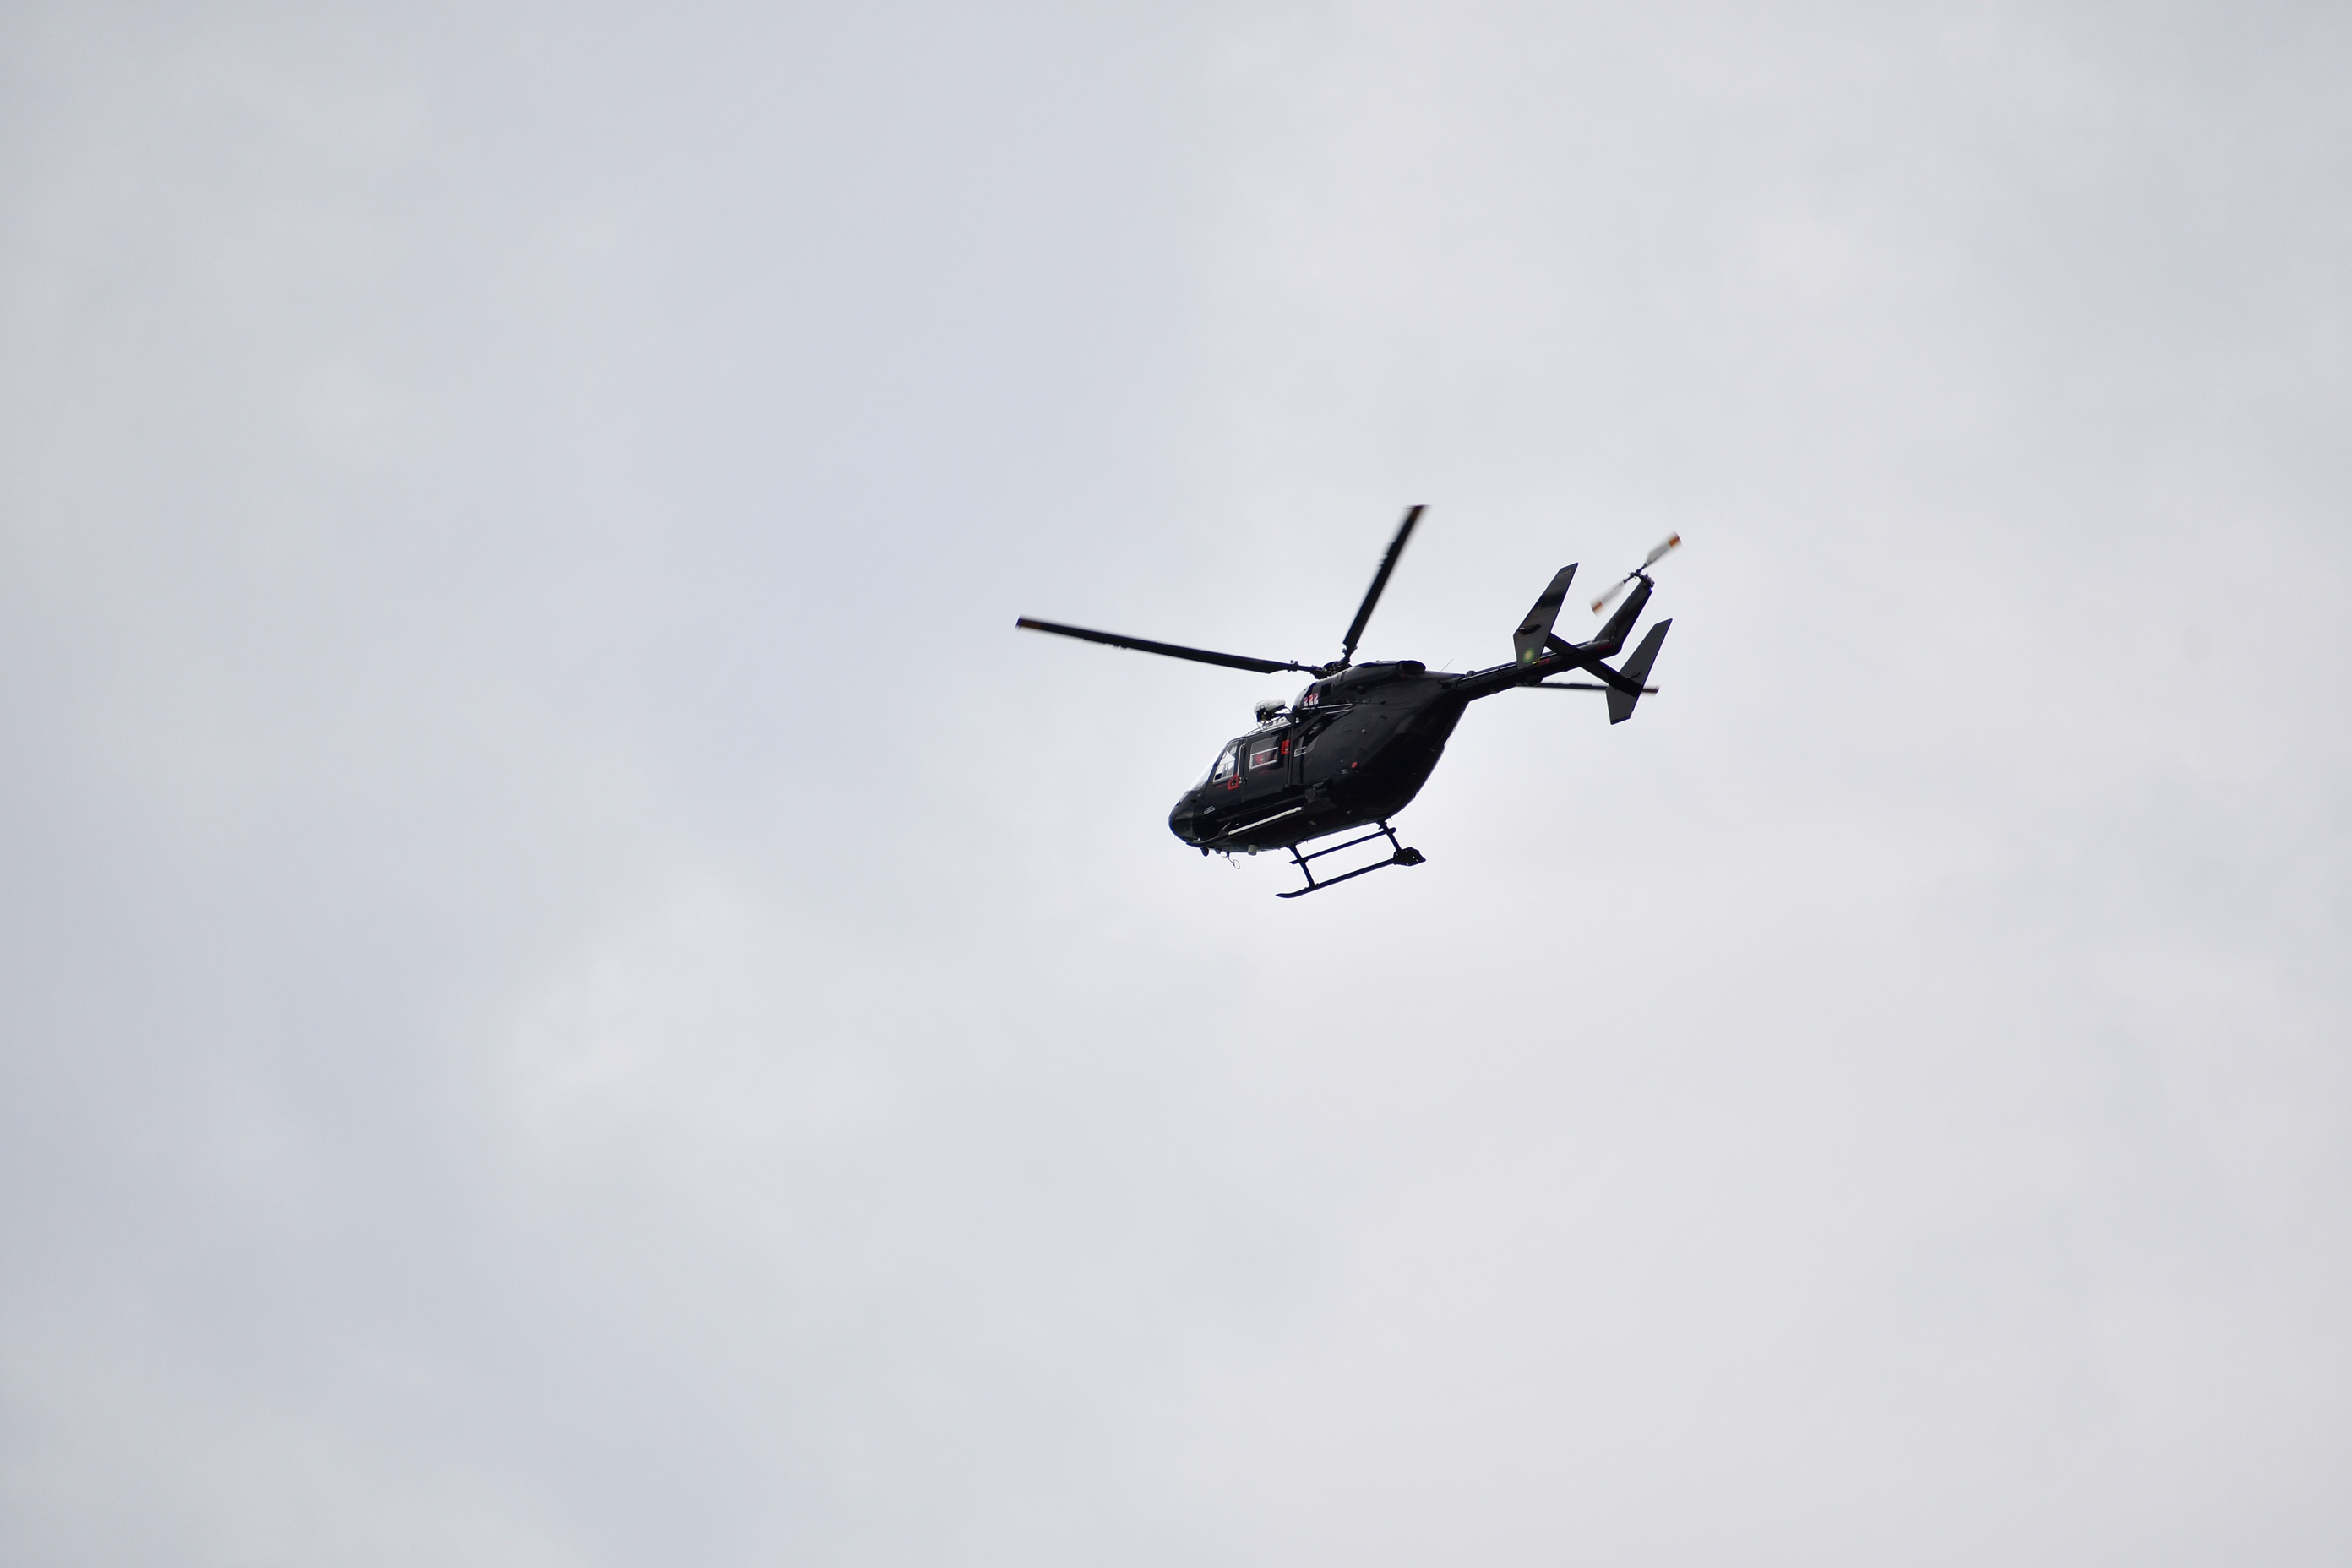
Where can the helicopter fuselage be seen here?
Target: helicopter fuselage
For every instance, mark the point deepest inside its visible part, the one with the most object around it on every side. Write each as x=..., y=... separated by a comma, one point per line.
x=1352, y=750
x=1357, y=746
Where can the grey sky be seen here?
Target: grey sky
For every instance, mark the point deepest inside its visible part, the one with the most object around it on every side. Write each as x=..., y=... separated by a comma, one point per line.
x=574, y=995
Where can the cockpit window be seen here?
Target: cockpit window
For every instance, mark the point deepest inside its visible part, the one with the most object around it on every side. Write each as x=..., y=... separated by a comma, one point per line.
x=1265, y=752
x=1228, y=762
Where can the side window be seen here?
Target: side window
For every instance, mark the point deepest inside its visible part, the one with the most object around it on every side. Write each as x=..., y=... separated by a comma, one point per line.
x=1265, y=751
x=1227, y=764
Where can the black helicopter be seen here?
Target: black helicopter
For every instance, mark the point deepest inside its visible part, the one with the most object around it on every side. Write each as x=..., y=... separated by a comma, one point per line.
x=1354, y=747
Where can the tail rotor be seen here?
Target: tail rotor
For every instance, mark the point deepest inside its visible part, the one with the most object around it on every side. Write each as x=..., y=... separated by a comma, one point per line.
x=1652, y=559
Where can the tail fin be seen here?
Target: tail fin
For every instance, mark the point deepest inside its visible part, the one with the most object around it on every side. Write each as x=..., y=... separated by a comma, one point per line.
x=1528, y=642
x=1636, y=669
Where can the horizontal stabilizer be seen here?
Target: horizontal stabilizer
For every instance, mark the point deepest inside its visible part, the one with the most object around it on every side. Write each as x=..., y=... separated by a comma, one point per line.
x=1636, y=669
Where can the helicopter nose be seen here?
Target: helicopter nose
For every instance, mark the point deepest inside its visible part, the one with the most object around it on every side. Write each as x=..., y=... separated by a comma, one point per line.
x=1184, y=821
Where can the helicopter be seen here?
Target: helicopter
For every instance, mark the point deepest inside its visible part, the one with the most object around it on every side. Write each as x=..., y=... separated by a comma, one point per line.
x=1354, y=747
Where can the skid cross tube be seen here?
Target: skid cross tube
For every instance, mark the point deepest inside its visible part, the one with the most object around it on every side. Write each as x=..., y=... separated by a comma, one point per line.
x=1404, y=857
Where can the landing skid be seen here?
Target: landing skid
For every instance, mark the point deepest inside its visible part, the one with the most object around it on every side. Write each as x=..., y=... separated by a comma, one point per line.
x=1404, y=857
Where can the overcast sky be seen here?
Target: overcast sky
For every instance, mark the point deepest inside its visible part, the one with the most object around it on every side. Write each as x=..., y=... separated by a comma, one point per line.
x=572, y=993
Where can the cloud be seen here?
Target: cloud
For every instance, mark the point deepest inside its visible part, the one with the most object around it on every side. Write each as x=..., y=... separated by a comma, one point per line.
x=575, y=994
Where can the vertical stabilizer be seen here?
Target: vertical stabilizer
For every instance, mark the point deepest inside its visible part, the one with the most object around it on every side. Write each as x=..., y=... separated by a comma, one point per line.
x=1636, y=669
x=1528, y=642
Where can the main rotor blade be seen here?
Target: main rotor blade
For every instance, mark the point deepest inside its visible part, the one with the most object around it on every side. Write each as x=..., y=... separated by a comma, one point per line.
x=1379, y=581
x=1198, y=655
